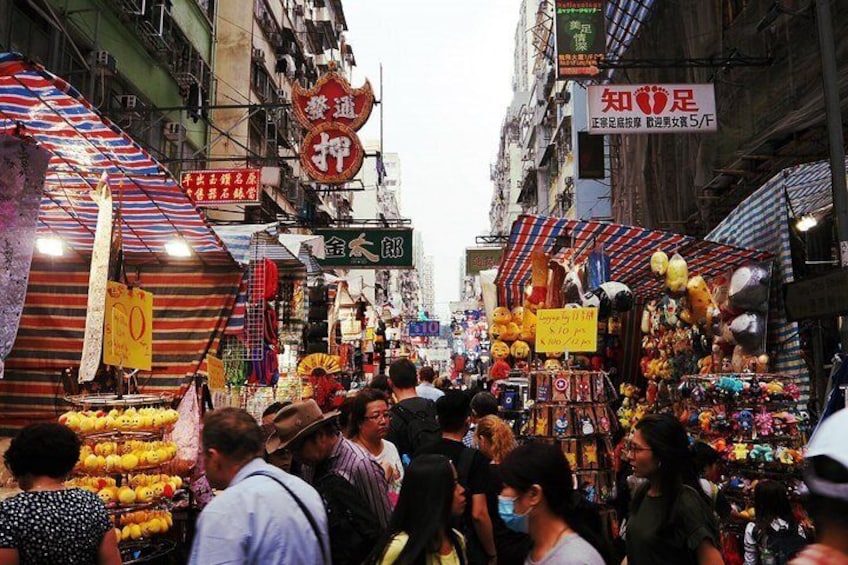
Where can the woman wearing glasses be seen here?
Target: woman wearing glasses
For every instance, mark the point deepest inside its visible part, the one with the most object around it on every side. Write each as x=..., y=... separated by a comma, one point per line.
x=368, y=426
x=671, y=520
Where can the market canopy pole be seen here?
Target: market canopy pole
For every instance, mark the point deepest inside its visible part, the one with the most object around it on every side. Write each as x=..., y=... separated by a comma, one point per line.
x=834, y=134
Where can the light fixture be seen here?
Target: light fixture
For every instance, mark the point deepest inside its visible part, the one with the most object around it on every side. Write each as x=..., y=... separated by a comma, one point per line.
x=178, y=247
x=50, y=246
x=806, y=223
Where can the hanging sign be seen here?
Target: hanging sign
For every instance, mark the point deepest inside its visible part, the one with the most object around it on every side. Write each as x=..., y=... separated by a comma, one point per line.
x=215, y=373
x=652, y=108
x=363, y=248
x=128, y=328
x=580, y=38
x=481, y=258
x=222, y=186
x=332, y=112
x=424, y=329
x=567, y=329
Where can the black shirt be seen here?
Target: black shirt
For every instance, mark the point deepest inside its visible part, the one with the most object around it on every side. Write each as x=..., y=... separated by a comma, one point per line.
x=398, y=433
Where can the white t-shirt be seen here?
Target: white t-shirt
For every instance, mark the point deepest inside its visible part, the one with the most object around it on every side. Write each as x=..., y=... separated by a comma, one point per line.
x=389, y=457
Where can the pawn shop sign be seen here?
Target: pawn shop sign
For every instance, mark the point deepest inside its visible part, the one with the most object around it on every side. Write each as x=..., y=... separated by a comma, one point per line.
x=332, y=100
x=331, y=153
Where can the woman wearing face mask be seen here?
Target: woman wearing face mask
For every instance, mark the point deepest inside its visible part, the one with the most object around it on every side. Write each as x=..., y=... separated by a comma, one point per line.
x=671, y=520
x=495, y=440
x=538, y=497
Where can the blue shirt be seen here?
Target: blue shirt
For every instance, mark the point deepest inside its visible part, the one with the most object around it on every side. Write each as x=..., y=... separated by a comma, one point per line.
x=255, y=521
x=428, y=391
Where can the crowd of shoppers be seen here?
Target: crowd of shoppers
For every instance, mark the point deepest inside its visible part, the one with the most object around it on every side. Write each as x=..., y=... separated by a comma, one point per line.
x=301, y=489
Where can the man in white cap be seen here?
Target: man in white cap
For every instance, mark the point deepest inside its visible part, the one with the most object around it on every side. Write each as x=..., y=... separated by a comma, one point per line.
x=827, y=479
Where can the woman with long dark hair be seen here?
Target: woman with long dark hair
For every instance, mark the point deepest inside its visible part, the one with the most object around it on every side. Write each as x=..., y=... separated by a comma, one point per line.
x=420, y=532
x=368, y=424
x=538, y=498
x=671, y=520
x=774, y=517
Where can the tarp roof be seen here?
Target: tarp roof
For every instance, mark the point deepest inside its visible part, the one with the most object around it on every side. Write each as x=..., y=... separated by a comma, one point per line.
x=629, y=248
x=239, y=237
x=84, y=144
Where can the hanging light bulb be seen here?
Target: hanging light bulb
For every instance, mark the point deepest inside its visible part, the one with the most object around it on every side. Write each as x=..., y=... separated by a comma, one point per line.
x=178, y=247
x=806, y=223
x=50, y=246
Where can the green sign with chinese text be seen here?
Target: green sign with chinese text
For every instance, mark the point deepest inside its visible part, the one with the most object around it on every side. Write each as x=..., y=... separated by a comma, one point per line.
x=364, y=248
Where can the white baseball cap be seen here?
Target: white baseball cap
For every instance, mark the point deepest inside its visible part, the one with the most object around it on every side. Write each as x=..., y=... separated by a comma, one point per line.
x=829, y=439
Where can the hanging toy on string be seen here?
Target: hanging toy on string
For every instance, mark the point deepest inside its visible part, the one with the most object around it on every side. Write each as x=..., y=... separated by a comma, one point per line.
x=659, y=264
x=538, y=280
x=676, y=275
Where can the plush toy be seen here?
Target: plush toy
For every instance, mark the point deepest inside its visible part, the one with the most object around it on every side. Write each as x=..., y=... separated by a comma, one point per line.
x=496, y=331
x=590, y=453
x=538, y=279
x=500, y=370
x=705, y=418
x=520, y=350
x=763, y=363
x=744, y=421
x=764, y=423
x=729, y=386
x=774, y=390
x=517, y=315
x=739, y=451
x=676, y=275
x=792, y=391
x=572, y=287
x=749, y=289
x=748, y=330
x=552, y=365
x=500, y=350
x=512, y=332
x=586, y=426
x=784, y=456
x=619, y=295
x=761, y=452
x=561, y=425
x=501, y=315
x=528, y=326
x=700, y=308
x=720, y=445
x=659, y=264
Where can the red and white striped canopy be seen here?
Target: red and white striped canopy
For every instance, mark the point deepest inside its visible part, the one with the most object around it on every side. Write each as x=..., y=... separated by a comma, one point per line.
x=39, y=105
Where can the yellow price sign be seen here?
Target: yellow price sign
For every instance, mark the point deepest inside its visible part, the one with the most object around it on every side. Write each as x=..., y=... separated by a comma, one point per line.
x=567, y=329
x=128, y=327
x=215, y=372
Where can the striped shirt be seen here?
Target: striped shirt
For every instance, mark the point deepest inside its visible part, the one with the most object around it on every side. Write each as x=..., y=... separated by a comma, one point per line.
x=353, y=463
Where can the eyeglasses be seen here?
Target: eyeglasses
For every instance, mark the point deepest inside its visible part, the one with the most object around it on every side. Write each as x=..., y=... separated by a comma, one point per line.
x=631, y=447
x=380, y=416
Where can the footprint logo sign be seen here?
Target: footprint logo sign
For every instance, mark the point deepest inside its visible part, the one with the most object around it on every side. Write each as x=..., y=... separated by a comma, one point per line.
x=652, y=100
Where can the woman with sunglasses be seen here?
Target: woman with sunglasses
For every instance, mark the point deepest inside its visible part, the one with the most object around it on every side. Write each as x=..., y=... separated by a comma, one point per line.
x=671, y=520
x=368, y=426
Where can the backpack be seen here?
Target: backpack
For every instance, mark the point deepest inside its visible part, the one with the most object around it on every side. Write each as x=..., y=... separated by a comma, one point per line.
x=421, y=427
x=353, y=528
x=779, y=547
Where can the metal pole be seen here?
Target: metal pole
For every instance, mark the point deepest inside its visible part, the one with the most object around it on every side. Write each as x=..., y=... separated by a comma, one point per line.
x=834, y=135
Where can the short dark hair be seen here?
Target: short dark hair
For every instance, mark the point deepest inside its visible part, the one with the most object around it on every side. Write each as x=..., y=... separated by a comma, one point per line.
x=380, y=382
x=704, y=456
x=427, y=374
x=403, y=374
x=275, y=407
x=453, y=409
x=233, y=432
x=43, y=450
x=359, y=406
x=484, y=404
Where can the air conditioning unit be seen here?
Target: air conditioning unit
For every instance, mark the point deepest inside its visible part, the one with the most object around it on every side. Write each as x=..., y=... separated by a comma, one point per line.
x=174, y=131
x=105, y=60
x=298, y=9
x=135, y=7
x=339, y=27
x=321, y=14
x=129, y=102
x=257, y=55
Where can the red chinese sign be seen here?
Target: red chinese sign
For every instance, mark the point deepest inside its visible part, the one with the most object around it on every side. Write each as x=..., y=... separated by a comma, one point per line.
x=652, y=108
x=331, y=153
x=332, y=100
x=332, y=111
x=222, y=186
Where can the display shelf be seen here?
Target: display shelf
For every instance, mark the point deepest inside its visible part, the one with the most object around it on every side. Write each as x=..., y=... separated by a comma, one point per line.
x=123, y=401
x=146, y=551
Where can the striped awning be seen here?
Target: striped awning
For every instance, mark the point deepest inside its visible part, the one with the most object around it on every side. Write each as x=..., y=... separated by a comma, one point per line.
x=263, y=237
x=629, y=248
x=84, y=144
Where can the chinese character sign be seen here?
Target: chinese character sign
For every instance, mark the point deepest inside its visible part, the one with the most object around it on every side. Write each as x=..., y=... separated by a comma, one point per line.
x=332, y=100
x=366, y=248
x=222, y=186
x=331, y=153
x=652, y=108
x=481, y=258
x=580, y=37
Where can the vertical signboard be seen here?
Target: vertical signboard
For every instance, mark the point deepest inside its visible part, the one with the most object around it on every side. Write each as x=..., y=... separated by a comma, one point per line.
x=128, y=327
x=580, y=38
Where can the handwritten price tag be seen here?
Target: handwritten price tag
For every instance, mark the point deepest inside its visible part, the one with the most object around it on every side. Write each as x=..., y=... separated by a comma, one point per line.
x=567, y=329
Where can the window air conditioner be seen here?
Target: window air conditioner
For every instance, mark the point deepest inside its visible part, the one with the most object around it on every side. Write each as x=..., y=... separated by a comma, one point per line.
x=258, y=55
x=129, y=102
x=174, y=131
x=105, y=61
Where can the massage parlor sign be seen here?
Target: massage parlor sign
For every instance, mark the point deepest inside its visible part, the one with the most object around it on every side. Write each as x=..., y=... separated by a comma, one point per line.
x=332, y=112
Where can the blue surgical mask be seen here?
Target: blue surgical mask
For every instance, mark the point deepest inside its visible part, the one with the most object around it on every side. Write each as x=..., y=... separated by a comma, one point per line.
x=513, y=521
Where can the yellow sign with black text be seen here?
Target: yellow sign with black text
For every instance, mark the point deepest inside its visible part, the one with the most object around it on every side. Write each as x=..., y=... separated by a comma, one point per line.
x=215, y=372
x=128, y=327
x=567, y=330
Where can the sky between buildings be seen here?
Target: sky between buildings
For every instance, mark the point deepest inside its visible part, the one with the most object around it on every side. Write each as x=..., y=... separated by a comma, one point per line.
x=447, y=75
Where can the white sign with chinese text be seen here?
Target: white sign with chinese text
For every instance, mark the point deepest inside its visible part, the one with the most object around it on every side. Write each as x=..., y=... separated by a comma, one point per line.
x=652, y=108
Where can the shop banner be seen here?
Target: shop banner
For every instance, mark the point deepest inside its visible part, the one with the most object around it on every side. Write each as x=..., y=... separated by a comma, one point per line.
x=215, y=373
x=652, y=108
x=481, y=258
x=128, y=327
x=364, y=248
x=567, y=330
x=92, y=345
x=22, y=169
x=424, y=329
x=222, y=186
x=580, y=38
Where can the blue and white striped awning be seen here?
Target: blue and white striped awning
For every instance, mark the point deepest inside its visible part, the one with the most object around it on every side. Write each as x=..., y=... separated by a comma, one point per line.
x=37, y=105
x=239, y=238
x=625, y=19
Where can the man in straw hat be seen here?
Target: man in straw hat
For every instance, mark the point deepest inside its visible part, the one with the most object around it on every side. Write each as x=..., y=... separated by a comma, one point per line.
x=351, y=483
x=826, y=477
x=244, y=523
